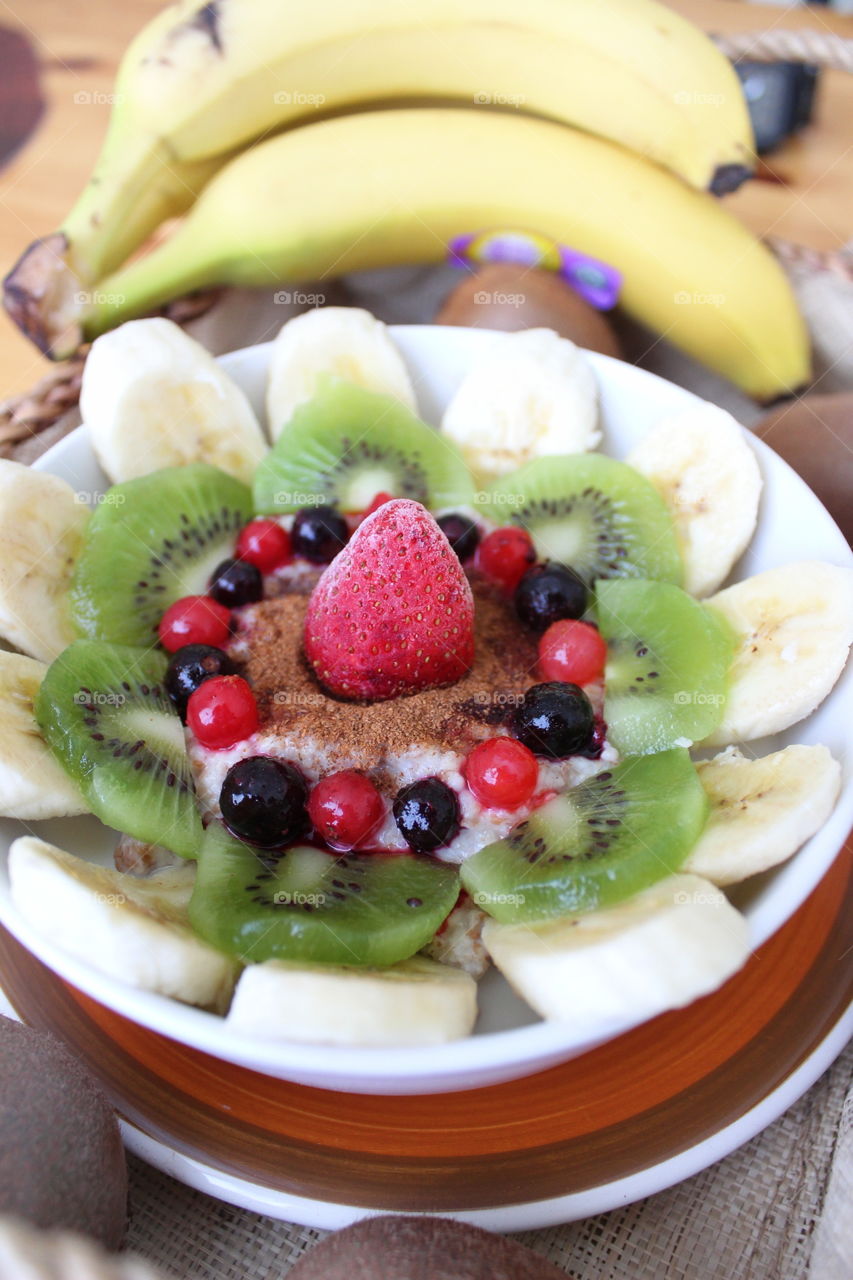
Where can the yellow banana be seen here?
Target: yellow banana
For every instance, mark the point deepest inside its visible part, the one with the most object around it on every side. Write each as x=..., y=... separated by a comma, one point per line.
x=388, y=187
x=199, y=83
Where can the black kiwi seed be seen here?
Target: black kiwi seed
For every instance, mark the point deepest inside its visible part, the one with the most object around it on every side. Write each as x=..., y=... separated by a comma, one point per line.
x=172, y=559
x=121, y=740
x=347, y=444
x=120, y=748
x=612, y=835
x=153, y=543
x=610, y=551
x=315, y=904
x=593, y=513
x=409, y=474
x=355, y=864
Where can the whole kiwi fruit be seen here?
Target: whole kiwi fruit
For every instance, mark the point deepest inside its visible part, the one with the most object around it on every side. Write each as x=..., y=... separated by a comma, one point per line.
x=414, y=1248
x=502, y=295
x=815, y=435
x=62, y=1163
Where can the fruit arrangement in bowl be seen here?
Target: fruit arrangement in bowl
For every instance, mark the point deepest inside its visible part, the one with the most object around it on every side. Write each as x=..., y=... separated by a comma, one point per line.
x=401, y=715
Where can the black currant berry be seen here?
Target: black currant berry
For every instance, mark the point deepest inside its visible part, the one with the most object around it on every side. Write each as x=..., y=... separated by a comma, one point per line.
x=547, y=593
x=462, y=534
x=427, y=814
x=318, y=534
x=236, y=582
x=264, y=802
x=555, y=720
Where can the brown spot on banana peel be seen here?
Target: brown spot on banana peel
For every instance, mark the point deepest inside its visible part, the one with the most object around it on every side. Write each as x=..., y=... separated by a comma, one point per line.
x=727, y=178
x=42, y=296
x=207, y=20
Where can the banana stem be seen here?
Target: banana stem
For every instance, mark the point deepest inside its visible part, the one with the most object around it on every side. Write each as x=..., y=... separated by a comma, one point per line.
x=133, y=189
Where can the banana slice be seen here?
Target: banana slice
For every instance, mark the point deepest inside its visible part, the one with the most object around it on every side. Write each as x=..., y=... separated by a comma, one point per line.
x=675, y=941
x=130, y=928
x=42, y=522
x=702, y=466
x=794, y=627
x=33, y=785
x=345, y=341
x=762, y=810
x=535, y=393
x=415, y=1002
x=153, y=397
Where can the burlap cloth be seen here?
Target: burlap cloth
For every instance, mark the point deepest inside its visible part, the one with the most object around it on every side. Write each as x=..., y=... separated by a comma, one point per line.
x=779, y=1208
x=761, y=1214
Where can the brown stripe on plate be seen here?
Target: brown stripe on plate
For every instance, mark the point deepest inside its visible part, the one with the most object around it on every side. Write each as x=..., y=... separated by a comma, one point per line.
x=612, y=1112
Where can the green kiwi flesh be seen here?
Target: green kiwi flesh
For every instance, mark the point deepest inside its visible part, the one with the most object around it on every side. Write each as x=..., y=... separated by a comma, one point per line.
x=313, y=905
x=595, y=845
x=347, y=444
x=595, y=514
x=151, y=541
x=106, y=716
x=668, y=659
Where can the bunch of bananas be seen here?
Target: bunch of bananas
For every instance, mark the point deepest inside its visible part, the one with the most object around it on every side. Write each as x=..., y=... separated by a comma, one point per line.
x=607, y=127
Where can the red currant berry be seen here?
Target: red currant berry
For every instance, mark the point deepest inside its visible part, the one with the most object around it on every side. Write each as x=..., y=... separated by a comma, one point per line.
x=222, y=712
x=505, y=555
x=501, y=773
x=264, y=544
x=194, y=620
x=378, y=501
x=572, y=651
x=345, y=808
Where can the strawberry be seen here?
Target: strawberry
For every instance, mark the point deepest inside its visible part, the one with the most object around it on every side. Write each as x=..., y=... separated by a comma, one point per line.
x=393, y=612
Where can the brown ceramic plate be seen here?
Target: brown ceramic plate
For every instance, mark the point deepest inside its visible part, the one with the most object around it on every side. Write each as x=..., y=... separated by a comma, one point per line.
x=635, y=1104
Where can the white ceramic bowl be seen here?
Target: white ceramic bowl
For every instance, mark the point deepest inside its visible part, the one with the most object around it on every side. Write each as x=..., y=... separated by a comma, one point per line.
x=509, y=1040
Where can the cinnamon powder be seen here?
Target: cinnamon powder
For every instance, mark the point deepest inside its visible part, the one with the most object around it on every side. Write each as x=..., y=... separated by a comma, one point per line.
x=289, y=696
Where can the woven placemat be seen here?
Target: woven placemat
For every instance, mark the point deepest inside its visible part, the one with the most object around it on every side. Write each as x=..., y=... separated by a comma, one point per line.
x=754, y=1216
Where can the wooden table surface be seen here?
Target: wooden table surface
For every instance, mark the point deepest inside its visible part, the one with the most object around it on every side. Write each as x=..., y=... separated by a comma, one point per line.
x=78, y=46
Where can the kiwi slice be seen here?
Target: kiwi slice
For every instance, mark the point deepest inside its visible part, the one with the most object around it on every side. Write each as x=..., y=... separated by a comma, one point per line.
x=104, y=712
x=310, y=904
x=599, y=516
x=347, y=444
x=668, y=659
x=593, y=846
x=150, y=542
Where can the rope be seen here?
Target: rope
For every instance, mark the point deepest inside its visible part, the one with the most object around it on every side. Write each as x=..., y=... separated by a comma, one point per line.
x=822, y=48
x=26, y=415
